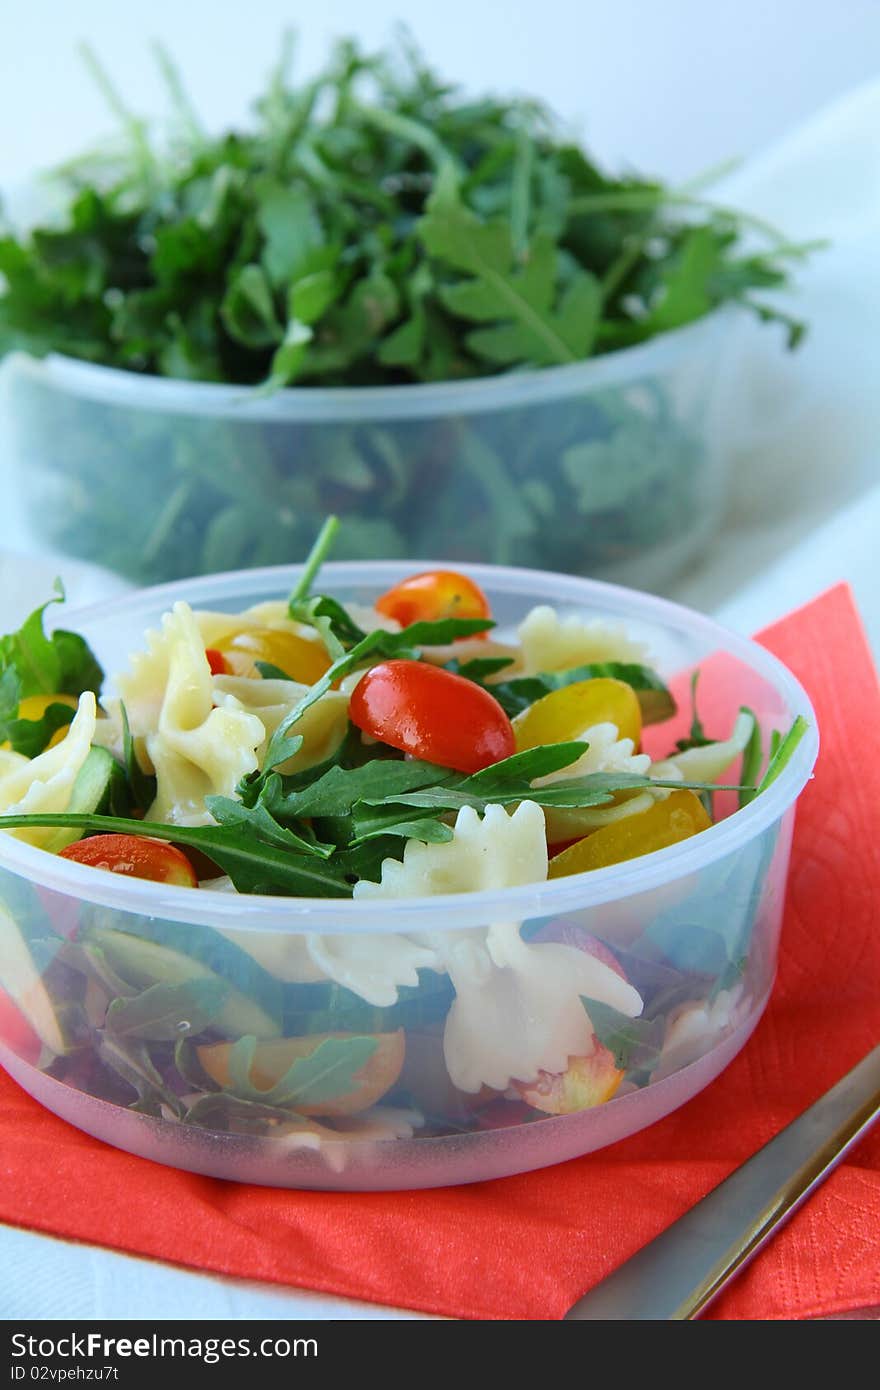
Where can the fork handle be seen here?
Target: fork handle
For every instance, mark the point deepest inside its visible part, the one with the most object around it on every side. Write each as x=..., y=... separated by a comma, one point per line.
x=679, y=1273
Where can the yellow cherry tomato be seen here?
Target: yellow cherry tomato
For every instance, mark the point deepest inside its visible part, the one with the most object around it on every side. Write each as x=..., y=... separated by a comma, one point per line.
x=300, y=658
x=666, y=823
x=35, y=706
x=565, y=714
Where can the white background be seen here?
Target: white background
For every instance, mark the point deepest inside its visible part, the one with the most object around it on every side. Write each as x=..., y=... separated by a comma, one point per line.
x=666, y=86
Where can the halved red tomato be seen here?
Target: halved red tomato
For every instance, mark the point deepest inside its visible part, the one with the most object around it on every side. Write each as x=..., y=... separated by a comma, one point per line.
x=432, y=714
x=136, y=856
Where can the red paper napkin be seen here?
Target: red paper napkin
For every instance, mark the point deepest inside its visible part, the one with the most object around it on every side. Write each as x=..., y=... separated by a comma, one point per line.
x=526, y=1247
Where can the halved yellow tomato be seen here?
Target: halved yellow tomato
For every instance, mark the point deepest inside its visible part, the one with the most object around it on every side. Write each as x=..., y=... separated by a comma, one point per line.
x=273, y=1058
x=300, y=658
x=665, y=823
x=564, y=714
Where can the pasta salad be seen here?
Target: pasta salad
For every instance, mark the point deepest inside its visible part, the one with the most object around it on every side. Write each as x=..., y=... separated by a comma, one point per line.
x=307, y=748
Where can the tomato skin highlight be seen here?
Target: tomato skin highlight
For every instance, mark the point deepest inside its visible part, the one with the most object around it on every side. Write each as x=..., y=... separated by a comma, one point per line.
x=136, y=857
x=433, y=595
x=432, y=714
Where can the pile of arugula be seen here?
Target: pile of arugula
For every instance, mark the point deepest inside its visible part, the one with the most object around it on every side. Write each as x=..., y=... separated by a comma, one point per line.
x=373, y=227
x=315, y=833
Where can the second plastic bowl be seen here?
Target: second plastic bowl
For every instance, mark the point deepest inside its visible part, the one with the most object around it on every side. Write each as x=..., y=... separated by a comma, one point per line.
x=615, y=467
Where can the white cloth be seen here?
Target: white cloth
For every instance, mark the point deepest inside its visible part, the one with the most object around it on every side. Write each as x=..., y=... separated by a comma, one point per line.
x=804, y=512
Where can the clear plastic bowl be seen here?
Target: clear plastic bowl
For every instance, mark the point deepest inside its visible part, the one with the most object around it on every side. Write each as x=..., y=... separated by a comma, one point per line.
x=694, y=927
x=615, y=467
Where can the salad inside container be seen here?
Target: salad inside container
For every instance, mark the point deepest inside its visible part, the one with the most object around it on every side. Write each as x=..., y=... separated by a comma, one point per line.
x=434, y=314
x=387, y=884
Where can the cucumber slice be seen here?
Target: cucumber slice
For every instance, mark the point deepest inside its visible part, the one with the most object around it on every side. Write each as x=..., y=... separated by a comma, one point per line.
x=149, y=953
x=21, y=979
x=100, y=787
x=99, y=784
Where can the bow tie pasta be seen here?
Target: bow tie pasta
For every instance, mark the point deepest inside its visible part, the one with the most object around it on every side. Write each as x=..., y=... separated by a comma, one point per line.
x=32, y=786
x=550, y=643
x=322, y=728
x=310, y=751
x=517, y=1009
x=195, y=749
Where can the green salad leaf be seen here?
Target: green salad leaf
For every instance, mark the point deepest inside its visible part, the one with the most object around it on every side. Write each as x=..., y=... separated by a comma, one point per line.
x=163, y=1012
x=326, y=1073
x=373, y=224
x=34, y=663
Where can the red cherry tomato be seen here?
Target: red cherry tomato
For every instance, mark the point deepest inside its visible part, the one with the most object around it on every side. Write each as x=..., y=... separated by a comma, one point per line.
x=135, y=856
x=432, y=714
x=433, y=595
x=217, y=662
x=16, y=1032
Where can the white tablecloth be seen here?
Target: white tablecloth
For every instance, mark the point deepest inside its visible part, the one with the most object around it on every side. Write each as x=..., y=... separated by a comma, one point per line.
x=804, y=513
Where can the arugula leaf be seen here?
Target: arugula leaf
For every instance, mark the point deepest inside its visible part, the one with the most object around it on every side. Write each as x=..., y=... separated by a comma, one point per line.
x=259, y=820
x=162, y=1012
x=325, y=1074
x=479, y=667
x=142, y=785
x=131, y=1060
x=502, y=784
x=697, y=737
x=338, y=630
x=522, y=767
x=253, y=865
x=751, y=761
x=516, y=295
x=315, y=558
x=783, y=752
x=248, y=311
x=337, y=790
x=376, y=823
x=634, y=1042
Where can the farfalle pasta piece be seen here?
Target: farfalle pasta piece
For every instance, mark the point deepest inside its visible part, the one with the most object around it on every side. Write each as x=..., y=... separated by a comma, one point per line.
x=696, y=1026
x=216, y=628
x=550, y=643
x=195, y=749
x=373, y=965
x=42, y=785
x=608, y=752
x=322, y=727
x=706, y=764
x=517, y=1009
x=495, y=851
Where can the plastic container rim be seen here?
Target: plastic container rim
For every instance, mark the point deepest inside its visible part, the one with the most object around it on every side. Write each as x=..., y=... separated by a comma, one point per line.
x=449, y=911
x=114, y=386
